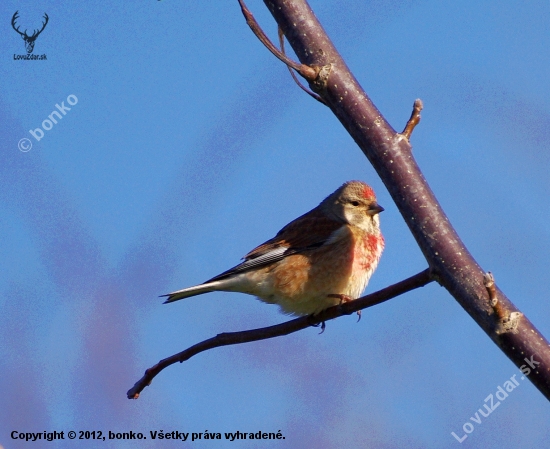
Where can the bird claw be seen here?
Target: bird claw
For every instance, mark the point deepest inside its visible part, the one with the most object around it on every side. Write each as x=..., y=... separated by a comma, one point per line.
x=343, y=300
x=322, y=324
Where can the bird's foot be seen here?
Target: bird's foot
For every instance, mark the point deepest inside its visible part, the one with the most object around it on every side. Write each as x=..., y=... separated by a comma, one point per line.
x=343, y=300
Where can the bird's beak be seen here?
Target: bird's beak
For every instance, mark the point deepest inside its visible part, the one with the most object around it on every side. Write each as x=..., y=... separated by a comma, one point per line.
x=374, y=209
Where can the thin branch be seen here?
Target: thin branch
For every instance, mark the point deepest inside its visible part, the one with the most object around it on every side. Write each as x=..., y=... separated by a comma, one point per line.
x=293, y=75
x=309, y=73
x=415, y=118
x=233, y=338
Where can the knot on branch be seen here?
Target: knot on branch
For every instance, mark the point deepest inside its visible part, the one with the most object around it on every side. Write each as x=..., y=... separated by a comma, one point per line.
x=509, y=324
x=319, y=84
x=506, y=321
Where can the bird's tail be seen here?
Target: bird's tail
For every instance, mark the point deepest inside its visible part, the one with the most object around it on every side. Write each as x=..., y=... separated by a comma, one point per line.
x=192, y=291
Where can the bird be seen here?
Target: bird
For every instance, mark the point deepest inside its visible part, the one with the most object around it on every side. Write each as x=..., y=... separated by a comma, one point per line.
x=321, y=259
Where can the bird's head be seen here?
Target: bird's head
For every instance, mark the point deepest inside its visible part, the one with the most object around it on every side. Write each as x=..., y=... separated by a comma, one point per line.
x=354, y=203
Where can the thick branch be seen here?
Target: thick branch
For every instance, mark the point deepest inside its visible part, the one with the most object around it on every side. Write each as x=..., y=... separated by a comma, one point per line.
x=233, y=338
x=390, y=154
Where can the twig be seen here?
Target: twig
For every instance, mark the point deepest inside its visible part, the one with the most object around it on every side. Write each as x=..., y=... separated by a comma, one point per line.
x=233, y=338
x=293, y=75
x=415, y=118
x=489, y=282
x=309, y=73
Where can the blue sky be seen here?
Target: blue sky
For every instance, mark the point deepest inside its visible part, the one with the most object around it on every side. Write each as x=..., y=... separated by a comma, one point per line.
x=188, y=145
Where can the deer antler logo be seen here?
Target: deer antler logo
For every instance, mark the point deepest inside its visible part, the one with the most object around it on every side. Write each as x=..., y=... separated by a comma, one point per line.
x=29, y=40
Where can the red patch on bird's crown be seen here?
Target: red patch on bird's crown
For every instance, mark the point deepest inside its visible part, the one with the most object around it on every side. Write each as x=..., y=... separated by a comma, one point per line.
x=368, y=192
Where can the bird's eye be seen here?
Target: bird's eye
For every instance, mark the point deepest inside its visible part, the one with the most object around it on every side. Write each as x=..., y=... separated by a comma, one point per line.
x=355, y=203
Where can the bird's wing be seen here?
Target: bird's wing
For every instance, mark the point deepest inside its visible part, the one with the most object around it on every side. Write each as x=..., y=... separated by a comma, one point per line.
x=265, y=259
x=309, y=231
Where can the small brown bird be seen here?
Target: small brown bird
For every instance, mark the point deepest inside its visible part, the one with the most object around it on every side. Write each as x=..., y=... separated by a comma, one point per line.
x=321, y=259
